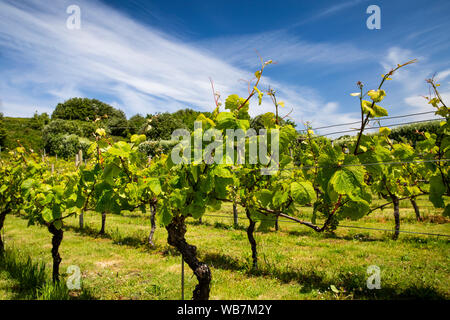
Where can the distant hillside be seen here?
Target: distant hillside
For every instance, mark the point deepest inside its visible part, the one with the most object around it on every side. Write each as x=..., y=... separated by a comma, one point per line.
x=22, y=129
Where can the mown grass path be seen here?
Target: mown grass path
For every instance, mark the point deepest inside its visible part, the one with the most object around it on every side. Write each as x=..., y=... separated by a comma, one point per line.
x=296, y=263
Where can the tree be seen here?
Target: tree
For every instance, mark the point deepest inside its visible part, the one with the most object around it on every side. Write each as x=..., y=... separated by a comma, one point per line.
x=65, y=138
x=85, y=109
x=188, y=117
x=2, y=132
x=161, y=126
x=118, y=125
x=257, y=122
x=39, y=120
x=136, y=124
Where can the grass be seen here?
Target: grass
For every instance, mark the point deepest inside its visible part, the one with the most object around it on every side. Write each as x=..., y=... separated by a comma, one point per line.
x=25, y=279
x=295, y=262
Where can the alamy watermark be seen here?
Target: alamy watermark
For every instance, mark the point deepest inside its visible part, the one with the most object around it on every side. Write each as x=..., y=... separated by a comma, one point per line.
x=74, y=280
x=263, y=148
x=374, y=279
x=374, y=20
x=73, y=22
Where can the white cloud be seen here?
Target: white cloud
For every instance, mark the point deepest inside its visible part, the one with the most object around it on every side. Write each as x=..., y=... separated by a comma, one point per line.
x=284, y=48
x=342, y=5
x=406, y=91
x=443, y=75
x=138, y=68
x=111, y=55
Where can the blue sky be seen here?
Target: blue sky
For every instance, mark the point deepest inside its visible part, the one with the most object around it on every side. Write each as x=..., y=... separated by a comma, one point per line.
x=155, y=56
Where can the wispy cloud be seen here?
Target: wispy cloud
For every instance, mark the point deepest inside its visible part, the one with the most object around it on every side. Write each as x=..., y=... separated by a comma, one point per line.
x=286, y=48
x=337, y=8
x=143, y=70
x=409, y=82
x=334, y=9
x=110, y=55
x=133, y=66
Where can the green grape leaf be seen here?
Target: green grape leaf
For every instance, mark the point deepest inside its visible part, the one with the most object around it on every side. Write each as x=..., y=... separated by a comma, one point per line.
x=222, y=171
x=384, y=131
x=446, y=212
x=196, y=210
x=137, y=139
x=302, y=192
x=120, y=149
x=232, y=102
x=104, y=202
x=345, y=181
x=279, y=198
x=56, y=211
x=377, y=95
x=80, y=199
x=243, y=124
x=354, y=210
x=47, y=214
x=287, y=136
x=226, y=120
x=379, y=111
x=265, y=197
x=155, y=186
x=165, y=215
x=268, y=120
x=58, y=224
x=437, y=189
x=111, y=171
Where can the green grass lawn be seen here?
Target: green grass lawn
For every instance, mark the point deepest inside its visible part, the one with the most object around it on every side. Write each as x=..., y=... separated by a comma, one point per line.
x=295, y=262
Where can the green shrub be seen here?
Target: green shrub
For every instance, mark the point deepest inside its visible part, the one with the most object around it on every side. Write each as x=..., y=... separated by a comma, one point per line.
x=39, y=121
x=79, y=128
x=412, y=133
x=66, y=145
x=88, y=110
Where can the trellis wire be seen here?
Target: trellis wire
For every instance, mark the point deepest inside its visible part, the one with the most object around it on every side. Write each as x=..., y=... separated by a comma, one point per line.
x=339, y=226
x=357, y=164
x=325, y=127
x=370, y=120
x=371, y=128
